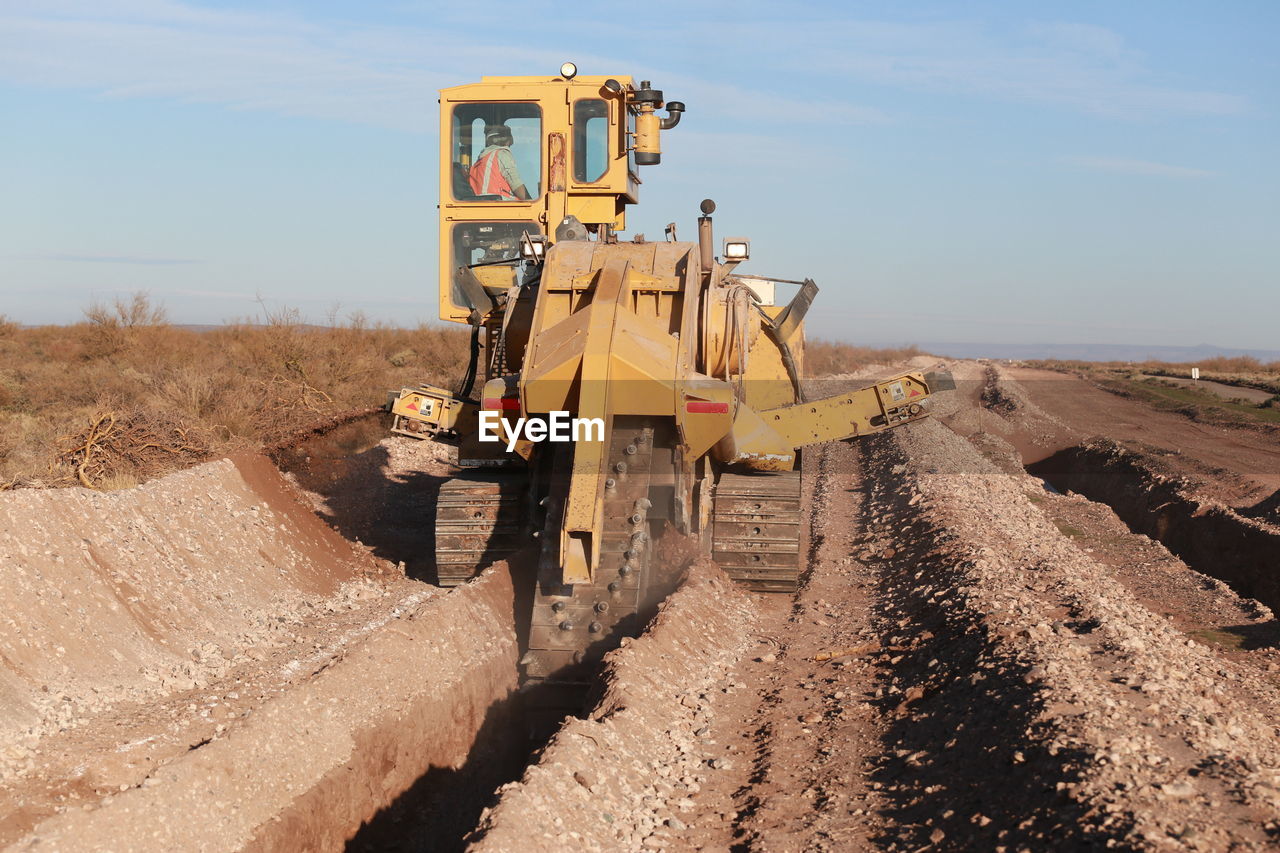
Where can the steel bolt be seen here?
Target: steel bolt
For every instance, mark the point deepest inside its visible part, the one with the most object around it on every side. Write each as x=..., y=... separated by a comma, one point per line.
x=610, y=483
x=620, y=467
x=558, y=606
x=614, y=586
x=637, y=518
x=595, y=627
x=625, y=570
x=630, y=450
x=566, y=625
x=602, y=607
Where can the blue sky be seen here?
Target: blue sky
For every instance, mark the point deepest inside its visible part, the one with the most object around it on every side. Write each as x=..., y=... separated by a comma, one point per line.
x=988, y=171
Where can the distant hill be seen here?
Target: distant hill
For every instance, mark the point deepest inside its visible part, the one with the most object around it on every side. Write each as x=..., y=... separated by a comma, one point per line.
x=1094, y=352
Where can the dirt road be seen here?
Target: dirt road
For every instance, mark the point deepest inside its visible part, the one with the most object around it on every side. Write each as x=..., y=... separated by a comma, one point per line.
x=1247, y=461
x=1223, y=390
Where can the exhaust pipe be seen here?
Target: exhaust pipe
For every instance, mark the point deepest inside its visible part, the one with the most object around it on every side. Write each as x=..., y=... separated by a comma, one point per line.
x=706, y=242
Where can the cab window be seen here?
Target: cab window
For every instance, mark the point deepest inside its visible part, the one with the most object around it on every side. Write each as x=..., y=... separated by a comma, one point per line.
x=496, y=152
x=633, y=170
x=482, y=249
x=590, y=140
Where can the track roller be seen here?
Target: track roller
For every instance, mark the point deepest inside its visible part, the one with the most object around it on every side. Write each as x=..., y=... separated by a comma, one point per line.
x=756, y=529
x=479, y=521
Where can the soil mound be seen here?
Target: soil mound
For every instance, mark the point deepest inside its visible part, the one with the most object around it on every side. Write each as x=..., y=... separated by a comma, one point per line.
x=130, y=595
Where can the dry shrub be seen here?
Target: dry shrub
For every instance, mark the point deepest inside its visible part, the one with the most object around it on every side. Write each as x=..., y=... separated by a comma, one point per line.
x=180, y=396
x=129, y=447
x=1242, y=371
x=114, y=327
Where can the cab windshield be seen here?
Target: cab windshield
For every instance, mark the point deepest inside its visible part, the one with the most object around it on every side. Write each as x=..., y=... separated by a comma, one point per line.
x=497, y=152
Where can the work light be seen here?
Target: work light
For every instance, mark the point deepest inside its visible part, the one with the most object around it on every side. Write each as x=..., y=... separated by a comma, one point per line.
x=737, y=248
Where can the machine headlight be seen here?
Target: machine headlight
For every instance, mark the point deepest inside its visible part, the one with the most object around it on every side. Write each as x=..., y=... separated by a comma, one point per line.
x=568, y=71
x=737, y=248
x=533, y=247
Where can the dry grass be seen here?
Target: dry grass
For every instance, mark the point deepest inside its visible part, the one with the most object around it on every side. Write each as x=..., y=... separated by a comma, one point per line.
x=125, y=395
x=1244, y=371
x=825, y=358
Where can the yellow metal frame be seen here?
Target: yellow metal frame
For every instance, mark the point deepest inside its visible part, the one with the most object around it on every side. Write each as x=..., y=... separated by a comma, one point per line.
x=635, y=329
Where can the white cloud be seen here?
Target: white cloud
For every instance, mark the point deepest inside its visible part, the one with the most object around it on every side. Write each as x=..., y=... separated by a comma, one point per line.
x=1079, y=66
x=140, y=260
x=1138, y=167
x=144, y=49
x=388, y=76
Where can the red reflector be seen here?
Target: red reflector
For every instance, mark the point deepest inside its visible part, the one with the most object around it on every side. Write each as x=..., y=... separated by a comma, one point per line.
x=705, y=407
x=502, y=404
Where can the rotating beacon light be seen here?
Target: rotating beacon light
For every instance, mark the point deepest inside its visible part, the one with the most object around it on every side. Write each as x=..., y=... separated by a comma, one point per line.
x=646, y=142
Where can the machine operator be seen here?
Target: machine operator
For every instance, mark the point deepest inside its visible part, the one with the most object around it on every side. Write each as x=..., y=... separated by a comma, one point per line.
x=494, y=172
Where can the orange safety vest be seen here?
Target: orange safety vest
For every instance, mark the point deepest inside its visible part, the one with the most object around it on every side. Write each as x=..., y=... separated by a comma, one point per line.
x=487, y=178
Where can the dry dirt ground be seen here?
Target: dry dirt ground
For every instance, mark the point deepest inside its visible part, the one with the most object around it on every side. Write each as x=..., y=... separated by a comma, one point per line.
x=979, y=657
x=975, y=660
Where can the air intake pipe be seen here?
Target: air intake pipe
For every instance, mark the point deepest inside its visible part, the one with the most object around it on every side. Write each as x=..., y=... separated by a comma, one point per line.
x=649, y=125
x=675, y=109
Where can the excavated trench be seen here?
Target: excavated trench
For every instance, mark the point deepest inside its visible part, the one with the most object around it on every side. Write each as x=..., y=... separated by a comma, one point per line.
x=386, y=503
x=206, y=645
x=1209, y=536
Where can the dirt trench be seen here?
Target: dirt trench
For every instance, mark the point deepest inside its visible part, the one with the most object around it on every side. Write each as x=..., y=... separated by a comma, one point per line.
x=1211, y=537
x=213, y=667
x=619, y=778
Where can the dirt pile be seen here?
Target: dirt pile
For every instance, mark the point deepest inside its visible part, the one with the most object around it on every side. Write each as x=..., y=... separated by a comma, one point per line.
x=1165, y=504
x=973, y=660
x=205, y=645
x=135, y=594
x=404, y=706
x=1048, y=707
x=382, y=496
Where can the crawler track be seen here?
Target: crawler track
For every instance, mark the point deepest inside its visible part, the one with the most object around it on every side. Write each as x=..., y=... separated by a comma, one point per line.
x=479, y=520
x=755, y=527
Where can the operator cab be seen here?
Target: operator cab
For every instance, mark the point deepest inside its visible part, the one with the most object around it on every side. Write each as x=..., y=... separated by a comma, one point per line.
x=520, y=155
